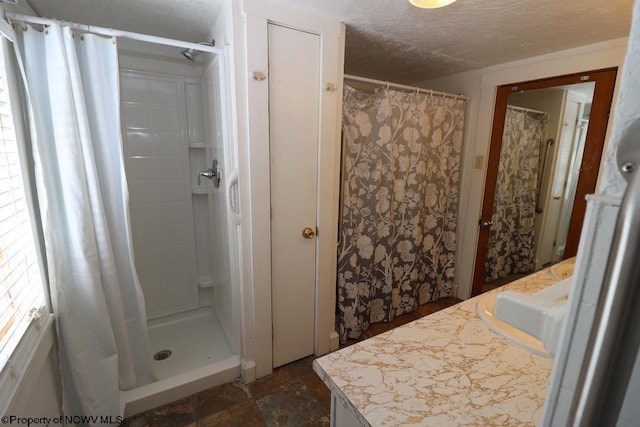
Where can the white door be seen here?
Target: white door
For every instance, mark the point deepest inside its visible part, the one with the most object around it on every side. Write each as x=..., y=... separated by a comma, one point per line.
x=547, y=249
x=294, y=99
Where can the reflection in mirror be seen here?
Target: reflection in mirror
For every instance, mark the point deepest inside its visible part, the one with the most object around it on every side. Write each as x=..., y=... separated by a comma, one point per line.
x=540, y=158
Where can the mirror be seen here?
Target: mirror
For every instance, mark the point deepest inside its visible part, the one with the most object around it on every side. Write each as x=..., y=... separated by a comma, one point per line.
x=545, y=152
x=540, y=159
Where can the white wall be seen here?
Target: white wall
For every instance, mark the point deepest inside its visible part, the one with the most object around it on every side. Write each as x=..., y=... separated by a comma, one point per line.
x=22, y=7
x=39, y=393
x=222, y=28
x=481, y=85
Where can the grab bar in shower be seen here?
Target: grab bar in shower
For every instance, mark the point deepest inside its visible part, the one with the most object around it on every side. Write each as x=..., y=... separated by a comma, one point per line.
x=615, y=337
x=233, y=208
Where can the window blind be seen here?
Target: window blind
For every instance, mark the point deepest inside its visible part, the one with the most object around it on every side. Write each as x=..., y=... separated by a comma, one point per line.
x=21, y=292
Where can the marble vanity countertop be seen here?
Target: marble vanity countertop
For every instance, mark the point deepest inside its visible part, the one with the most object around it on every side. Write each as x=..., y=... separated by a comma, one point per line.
x=445, y=369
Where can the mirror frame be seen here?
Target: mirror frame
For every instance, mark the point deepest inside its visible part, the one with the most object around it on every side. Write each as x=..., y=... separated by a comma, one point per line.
x=596, y=132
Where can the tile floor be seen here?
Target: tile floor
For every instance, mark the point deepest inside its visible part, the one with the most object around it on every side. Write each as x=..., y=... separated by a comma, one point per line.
x=292, y=396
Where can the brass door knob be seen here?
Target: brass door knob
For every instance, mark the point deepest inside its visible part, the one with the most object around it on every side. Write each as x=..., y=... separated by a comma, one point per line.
x=308, y=233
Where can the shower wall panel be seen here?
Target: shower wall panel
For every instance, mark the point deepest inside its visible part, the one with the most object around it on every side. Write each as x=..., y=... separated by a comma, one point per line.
x=204, y=261
x=159, y=177
x=199, y=161
x=221, y=239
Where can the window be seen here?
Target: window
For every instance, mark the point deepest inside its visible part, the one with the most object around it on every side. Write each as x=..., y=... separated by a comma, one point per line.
x=21, y=292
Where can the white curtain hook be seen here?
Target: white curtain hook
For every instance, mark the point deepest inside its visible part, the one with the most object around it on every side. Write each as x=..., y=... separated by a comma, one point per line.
x=388, y=85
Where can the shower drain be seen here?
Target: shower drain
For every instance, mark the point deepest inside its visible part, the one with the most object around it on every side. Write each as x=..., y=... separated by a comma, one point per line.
x=162, y=354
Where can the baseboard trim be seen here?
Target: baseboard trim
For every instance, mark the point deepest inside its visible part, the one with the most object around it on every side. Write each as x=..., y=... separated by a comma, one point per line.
x=248, y=371
x=334, y=341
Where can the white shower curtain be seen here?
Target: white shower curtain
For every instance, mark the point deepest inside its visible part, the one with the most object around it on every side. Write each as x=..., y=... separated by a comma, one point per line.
x=73, y=87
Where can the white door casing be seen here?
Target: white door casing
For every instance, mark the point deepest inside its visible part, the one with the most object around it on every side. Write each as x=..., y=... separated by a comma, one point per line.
x=294, y=77
x=571, y=160
x=252, y=97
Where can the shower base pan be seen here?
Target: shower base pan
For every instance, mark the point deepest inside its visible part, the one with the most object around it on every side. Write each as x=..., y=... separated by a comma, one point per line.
x=192, y=354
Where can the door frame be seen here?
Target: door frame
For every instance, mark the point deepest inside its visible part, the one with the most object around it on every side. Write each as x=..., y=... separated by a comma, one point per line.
x=595, y=139
x=252, y=96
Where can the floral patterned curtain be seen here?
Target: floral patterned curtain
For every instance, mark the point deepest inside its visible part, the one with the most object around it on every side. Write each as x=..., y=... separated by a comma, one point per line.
x=511, y=237
x=401, y=166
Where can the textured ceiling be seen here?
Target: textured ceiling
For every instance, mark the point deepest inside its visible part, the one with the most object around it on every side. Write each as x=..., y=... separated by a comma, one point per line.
x=390, y=39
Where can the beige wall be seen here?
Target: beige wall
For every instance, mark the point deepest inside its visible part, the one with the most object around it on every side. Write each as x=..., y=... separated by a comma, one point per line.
x=480, y=86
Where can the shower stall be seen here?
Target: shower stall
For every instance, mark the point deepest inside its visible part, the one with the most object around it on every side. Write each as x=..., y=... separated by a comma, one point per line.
x=182, y=180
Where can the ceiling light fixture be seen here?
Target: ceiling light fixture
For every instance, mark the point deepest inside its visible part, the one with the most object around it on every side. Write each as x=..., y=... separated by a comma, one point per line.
x=430, y=4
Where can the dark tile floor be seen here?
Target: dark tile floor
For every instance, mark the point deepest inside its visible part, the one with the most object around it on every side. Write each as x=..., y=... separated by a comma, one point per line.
x=292, y=396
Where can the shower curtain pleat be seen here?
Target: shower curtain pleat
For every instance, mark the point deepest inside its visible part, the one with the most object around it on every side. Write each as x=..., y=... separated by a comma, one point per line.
x=73, y=92
x=401, y=165
x=511, y=237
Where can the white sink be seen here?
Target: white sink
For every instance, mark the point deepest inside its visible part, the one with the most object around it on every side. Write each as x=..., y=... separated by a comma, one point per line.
x=529, y=321
x=486, y=312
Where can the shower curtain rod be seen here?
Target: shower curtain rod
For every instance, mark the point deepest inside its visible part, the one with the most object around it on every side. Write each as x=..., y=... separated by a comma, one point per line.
x=527, y=110
x=399, y=86
x=115, y=33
